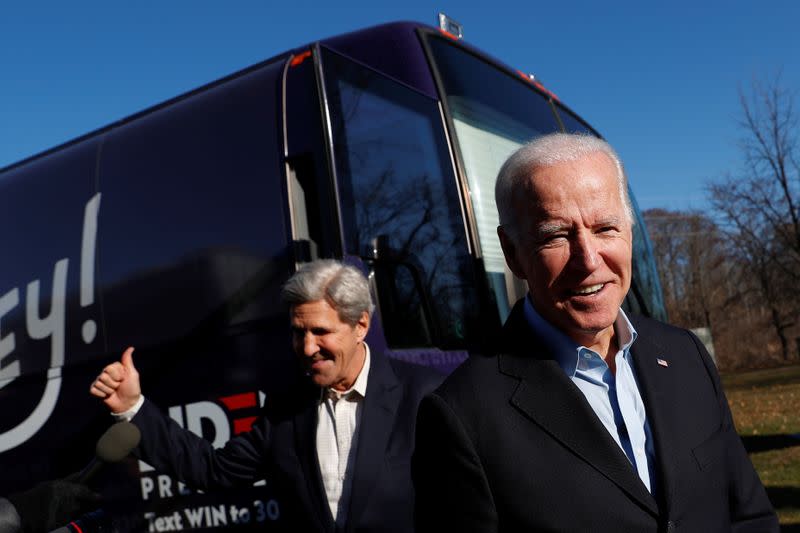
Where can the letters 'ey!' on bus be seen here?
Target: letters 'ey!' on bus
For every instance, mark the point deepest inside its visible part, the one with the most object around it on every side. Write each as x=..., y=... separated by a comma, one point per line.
x=173, y=230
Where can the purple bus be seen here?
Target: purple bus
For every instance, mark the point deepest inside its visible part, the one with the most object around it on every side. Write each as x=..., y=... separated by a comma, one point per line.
x=172, y=230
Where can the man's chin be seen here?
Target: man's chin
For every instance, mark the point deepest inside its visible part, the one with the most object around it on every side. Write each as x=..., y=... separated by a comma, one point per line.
x=585, y=325
x=318, y=379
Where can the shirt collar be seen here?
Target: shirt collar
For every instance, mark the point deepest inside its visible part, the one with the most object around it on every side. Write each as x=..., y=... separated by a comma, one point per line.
x=360, y=385
x=625, y=331
x=564, y=350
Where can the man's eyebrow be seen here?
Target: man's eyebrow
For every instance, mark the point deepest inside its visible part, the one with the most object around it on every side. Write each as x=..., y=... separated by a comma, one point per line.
x=609, y=221
x=547, y=228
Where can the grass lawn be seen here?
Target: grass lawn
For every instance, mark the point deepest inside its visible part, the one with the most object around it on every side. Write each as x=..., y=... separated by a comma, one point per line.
x=766, y=409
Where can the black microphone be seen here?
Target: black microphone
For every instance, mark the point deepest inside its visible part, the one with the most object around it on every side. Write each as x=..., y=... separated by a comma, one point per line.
x=112, y=447
x=95, y=522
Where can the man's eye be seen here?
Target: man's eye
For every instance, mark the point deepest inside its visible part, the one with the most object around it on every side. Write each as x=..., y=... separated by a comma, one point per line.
x=553, y=239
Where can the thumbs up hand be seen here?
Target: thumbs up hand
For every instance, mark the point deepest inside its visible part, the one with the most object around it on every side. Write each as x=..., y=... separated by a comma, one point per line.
x=118, y=384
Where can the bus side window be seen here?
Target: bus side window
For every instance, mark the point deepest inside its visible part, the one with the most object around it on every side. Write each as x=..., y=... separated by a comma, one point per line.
x=305, y=213
x=396, y=182
x=313, y=221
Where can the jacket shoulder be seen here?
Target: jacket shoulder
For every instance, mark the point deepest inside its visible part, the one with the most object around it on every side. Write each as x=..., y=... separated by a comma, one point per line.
x=418, y=377
x=467, y=382
x=651, y=324
x=663, y=334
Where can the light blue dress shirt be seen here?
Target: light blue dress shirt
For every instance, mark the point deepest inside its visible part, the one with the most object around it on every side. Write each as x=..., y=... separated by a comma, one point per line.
x=615, y=399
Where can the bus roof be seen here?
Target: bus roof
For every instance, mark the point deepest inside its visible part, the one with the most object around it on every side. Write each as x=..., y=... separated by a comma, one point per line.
x=392, y=48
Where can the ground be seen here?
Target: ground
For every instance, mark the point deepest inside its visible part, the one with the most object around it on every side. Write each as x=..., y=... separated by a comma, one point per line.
x=766, y=410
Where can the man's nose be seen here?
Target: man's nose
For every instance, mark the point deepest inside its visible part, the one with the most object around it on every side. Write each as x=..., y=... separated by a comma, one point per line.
x=309, y=344
x=585, y=252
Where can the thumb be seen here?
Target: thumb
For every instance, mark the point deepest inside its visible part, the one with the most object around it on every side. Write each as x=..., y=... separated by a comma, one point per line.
x=127, y=359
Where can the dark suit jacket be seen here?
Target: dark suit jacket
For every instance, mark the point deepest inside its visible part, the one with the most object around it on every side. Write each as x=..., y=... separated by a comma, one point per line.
x=509, y=443
x=282, y=446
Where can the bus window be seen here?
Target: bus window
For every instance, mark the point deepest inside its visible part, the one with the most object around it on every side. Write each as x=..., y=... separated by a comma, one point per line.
x=311, y=199
x=493, y=114
x=645, y=296
x=398, y=196
x=573, y=124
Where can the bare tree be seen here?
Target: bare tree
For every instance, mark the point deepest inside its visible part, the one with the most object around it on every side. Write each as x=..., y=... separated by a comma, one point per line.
x=690, y=256
x=691, y=261
x=758, y=207
x=708, y=282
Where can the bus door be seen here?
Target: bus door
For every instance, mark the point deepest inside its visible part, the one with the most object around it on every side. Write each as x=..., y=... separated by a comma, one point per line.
x=400, y=211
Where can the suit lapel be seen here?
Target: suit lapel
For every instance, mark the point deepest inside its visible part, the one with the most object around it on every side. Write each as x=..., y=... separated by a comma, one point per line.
x=305, y=427
x=377, y=420
x=653, y=389
x=549, y=398
x=553, y=402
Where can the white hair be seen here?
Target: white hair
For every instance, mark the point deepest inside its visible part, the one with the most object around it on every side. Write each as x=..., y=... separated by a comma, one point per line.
x=546, y=151
x=343, y=286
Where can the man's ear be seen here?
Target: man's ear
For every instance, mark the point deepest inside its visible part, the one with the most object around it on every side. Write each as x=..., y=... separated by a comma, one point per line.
x=510, y=251
x=362, y=326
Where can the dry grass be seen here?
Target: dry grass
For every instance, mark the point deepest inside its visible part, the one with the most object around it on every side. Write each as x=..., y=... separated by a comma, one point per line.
x=766, y=410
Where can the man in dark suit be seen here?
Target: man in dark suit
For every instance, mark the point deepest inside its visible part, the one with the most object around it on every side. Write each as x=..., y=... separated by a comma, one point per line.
x=339, y=444
x=586, y=419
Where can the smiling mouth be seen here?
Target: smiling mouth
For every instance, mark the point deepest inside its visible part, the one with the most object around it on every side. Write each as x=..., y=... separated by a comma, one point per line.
x=317, y=361
x=588, y=291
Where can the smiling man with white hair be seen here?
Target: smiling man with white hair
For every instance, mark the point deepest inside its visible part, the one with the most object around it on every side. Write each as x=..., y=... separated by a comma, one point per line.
x=586, y=419
x=338, y=446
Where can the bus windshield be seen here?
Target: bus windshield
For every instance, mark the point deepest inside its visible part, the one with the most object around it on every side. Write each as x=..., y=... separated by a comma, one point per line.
x=493, y=113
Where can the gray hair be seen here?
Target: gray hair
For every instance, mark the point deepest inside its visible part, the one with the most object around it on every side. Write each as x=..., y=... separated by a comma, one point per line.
x=343, y=286
x=546, y=151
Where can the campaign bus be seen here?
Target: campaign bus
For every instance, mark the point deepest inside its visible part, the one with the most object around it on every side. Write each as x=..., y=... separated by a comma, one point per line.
x=173, y=230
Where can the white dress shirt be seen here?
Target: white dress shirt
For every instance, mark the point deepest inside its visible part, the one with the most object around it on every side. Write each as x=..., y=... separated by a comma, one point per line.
x=338, y=423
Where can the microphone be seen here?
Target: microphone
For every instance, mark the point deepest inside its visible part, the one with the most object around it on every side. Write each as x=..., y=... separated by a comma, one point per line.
x=112, y=447
x=94, y=522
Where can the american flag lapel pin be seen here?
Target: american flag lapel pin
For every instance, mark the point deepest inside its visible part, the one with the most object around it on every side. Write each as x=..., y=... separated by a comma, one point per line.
x=662, y=362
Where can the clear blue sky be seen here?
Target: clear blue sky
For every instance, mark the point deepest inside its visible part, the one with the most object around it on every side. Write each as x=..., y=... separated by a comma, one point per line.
x=659, y=80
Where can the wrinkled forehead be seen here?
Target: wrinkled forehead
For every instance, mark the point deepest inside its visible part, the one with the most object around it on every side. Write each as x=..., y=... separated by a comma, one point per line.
x=587, y=186
x=558, y=174
x=568, y=177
